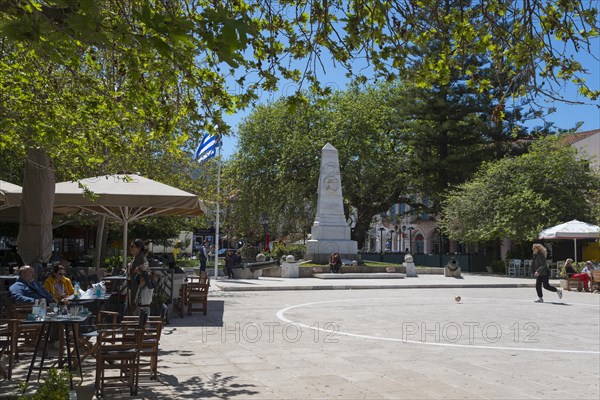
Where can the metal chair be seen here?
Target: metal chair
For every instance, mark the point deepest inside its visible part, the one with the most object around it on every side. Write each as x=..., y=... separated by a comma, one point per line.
x=527, y=268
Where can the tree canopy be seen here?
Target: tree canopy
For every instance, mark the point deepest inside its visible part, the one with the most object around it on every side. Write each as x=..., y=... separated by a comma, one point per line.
x=516, y=197
x=105, y=86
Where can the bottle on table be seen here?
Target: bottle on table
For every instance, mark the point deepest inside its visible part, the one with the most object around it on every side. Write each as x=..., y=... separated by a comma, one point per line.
x=77, y=289
x=42, y=309
x=35, y=310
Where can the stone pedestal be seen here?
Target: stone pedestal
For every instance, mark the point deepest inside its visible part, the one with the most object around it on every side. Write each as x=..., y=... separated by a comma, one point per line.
x=290, y=268
x=330, y=232
x=411, y=269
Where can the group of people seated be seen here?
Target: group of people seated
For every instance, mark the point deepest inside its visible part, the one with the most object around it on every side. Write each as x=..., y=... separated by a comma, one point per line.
x=584, y=276
x=56, y=288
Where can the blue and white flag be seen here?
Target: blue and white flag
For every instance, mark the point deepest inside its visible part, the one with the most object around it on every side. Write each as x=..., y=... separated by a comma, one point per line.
x=207, y=148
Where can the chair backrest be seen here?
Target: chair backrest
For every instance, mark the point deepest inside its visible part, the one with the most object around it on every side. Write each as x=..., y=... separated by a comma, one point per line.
x=19, y=311
x=107, y=317
x=123, y=337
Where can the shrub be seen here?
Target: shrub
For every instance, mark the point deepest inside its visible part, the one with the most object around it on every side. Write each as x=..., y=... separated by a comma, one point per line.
x=55, y=387
x=498, y=267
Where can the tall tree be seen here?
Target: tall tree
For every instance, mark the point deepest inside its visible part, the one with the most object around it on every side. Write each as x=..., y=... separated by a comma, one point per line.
x=516, y=197
x=276, y=172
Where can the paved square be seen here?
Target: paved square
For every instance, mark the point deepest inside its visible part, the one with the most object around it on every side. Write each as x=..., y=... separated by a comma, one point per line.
x=496, y=343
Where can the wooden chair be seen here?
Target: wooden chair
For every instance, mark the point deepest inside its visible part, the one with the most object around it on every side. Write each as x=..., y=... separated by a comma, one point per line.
x=24, y=334
x=197, y=297
x=88, y=347
x=7, y=327
x=117, y=358
x=180, y=303
x=152, y=329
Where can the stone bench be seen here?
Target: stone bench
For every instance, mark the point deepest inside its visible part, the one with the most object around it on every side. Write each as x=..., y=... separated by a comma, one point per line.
x=252, y=270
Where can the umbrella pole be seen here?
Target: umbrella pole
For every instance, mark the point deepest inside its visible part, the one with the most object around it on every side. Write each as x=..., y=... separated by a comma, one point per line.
x=125, y=245
x=99, y=240
x=218, y=214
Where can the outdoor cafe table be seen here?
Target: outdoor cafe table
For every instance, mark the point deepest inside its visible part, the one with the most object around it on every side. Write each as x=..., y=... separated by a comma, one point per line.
x=118, y=283
x=70, y=324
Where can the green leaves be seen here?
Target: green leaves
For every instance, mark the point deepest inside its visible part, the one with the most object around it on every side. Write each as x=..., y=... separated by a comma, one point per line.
x=516, y=197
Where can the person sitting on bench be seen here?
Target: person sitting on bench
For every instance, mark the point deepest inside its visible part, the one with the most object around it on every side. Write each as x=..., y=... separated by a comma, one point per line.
x=335, y=262
x=572, y=274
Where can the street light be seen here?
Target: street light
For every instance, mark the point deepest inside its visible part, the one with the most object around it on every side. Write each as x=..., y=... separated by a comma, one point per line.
x=410, y=239
x=397, y=230
x=439, y=232
x=381, y=230
x=403, y=236
x=264, y=221
x=392, y=240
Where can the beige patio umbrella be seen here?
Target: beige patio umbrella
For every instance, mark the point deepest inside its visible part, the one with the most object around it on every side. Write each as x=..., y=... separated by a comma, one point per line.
x=127, y=198
x=34, y=242
x=10, y=201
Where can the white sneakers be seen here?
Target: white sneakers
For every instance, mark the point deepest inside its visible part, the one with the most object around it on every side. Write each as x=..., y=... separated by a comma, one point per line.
x=540, y=300
x=559, y=292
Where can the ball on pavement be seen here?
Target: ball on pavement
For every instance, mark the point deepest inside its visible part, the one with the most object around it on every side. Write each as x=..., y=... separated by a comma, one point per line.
x=457, y=298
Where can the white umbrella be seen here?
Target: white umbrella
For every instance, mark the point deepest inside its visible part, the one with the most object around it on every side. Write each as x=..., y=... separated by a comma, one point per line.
x=572, y=230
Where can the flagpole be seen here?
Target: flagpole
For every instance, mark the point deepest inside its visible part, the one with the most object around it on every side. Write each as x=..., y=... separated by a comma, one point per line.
x=218, y=210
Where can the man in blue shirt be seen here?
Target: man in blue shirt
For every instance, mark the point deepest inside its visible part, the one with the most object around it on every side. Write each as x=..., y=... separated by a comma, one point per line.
x=26, y=289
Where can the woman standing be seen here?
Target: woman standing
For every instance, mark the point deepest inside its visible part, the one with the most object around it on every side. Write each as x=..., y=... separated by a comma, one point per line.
x=542, y=272
x=140, y=285
x=58, y=285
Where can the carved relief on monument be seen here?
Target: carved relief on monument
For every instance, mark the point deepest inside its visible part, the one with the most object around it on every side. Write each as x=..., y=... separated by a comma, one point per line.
x=331, y=182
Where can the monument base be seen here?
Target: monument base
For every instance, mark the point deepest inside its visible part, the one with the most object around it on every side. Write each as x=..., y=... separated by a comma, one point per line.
x=319, y=250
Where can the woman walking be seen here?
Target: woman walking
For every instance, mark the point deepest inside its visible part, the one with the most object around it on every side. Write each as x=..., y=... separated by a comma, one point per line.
x=542, y=272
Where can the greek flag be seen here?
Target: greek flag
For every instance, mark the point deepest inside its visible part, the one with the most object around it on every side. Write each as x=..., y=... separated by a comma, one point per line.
x=207, y=148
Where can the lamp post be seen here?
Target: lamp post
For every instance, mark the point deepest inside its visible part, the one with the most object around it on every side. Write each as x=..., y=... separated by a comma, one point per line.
x=410, y=239
x=264, y=221
x=392, y=240
x=397, y=230
x=381, y=230
x=403, y=236
x=439, y=232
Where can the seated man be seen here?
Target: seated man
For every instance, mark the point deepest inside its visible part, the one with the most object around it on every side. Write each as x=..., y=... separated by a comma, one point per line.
x=587, y=270
x=26, y=289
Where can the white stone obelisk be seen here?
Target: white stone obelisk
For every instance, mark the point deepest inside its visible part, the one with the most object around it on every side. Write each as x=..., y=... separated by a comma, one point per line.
x=330, y=231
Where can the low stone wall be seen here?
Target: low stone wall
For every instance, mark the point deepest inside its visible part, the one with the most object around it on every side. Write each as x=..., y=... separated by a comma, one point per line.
x=307, y=272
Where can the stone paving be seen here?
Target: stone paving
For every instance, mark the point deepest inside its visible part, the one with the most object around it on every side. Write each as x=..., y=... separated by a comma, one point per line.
x=409, y=342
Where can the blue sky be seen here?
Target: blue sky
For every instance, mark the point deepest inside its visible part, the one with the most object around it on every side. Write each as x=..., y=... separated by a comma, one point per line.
x=566, y=115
